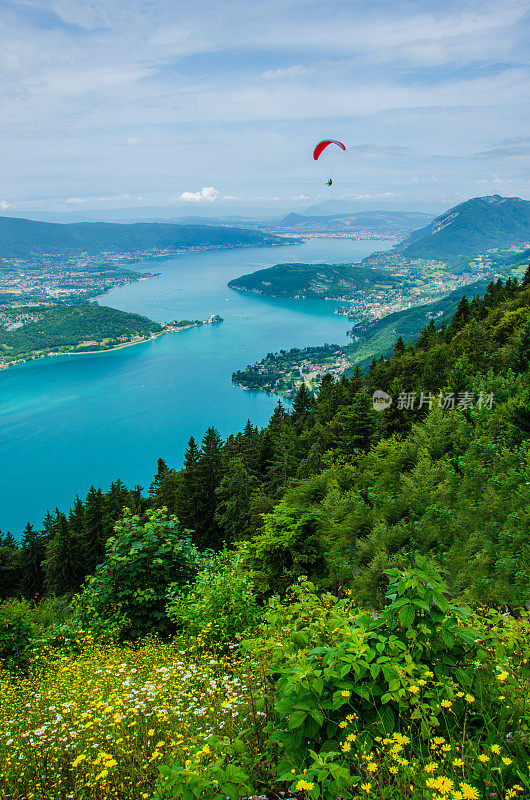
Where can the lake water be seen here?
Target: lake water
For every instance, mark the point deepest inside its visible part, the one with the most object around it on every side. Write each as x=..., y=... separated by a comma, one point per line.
x=71, y=421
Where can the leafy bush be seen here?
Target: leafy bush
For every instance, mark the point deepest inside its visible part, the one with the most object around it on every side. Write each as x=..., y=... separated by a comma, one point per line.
x=348, y=684
x=128, y=593
x=222, y=599
x=17, y=628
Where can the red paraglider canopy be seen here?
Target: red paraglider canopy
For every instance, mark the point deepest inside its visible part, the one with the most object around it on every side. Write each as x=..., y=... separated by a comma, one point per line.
x=322, y=146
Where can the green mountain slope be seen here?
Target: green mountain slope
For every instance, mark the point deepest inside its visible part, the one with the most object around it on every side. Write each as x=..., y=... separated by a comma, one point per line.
x=34, y=331
x=23, y=238
x=336, y=281
x=471, y=229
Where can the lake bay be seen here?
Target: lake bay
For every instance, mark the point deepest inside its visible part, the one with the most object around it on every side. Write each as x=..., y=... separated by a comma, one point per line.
x=71, y=421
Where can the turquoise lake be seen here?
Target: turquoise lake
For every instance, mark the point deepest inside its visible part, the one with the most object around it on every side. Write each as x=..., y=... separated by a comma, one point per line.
x=71, y=421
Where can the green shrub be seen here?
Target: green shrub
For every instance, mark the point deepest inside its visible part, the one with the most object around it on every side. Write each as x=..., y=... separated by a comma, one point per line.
x=222, y=599
x=348, y=683
x=127, y=595
x=17, y=628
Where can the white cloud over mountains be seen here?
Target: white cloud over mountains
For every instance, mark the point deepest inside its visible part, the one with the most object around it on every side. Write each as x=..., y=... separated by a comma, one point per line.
x=206, y=195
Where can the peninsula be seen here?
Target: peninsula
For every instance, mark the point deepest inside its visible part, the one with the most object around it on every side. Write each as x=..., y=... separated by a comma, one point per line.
x=29, y=332
x=483, y=238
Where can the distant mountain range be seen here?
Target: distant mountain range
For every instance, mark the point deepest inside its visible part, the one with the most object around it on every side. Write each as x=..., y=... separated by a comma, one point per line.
x=396, y=224
x=26, y=239
x=470, y=229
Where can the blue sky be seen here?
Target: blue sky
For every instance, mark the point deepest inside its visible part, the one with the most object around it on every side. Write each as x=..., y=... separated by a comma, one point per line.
x=203, y=106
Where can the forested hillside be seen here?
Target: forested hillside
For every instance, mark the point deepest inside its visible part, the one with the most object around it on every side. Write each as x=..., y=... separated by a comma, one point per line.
x=34, y=331
x=472, y=228
x=273, y=617
x=337, y=490
x=336, y=281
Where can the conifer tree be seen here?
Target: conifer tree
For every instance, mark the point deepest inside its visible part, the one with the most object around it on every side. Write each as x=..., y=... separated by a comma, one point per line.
x=284, y=462
x=161, y=472
x=31, y=563
x=93, y=542
x=62, y=564
x=302, y=403
x=233, y=500
x=207, y=532
x=187, y=490
x=116, y=499
x=399, y=347
x=249, y=447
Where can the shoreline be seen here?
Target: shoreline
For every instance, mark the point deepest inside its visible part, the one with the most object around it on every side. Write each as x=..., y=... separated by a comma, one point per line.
x=108, y=349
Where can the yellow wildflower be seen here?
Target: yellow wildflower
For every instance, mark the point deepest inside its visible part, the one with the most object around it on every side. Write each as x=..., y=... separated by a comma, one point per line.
x=469, y=792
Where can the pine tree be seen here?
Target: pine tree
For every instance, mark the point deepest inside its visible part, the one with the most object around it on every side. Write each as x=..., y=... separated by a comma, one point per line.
x=31, y=563
x=526, y=277
x=187, y=490
x=116, y=499
x=233, y=500
x=284, y=462
x=161, y=472
x=207, y=532
x=249, y=447
x=302, y=403
x=399, y=347
x=62, y=564
x=93, y=541
x=462, y=314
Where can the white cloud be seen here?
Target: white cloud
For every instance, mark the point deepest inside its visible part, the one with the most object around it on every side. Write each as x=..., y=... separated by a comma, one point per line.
x=296, y=71
x=206, y=195
x=4, y=205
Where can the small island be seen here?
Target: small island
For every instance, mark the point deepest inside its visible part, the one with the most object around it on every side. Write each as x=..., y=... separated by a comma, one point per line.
x=30, y=332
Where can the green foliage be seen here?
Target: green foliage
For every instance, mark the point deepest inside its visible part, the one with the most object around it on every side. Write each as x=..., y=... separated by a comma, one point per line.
x=82, y=327
x=345, y=680
x=220, y=768
x=339, y=281
x=128, y=593
x=221, y=601
x=17, y=628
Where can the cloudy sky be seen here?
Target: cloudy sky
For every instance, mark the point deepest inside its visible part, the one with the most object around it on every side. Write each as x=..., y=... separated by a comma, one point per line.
x=209, y=106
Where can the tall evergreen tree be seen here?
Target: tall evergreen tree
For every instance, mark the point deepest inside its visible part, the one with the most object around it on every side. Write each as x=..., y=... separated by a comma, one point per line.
x=233, y=500
x=187, y=488
x=31, y=562
x=94, y=538
x=115, y=500
x=399, y=347
x=302, y=403
x=161, y=472
x=207, y=532
x=63, y=564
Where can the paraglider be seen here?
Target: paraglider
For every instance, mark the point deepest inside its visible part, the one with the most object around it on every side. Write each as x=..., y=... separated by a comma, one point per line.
x=321, y=146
